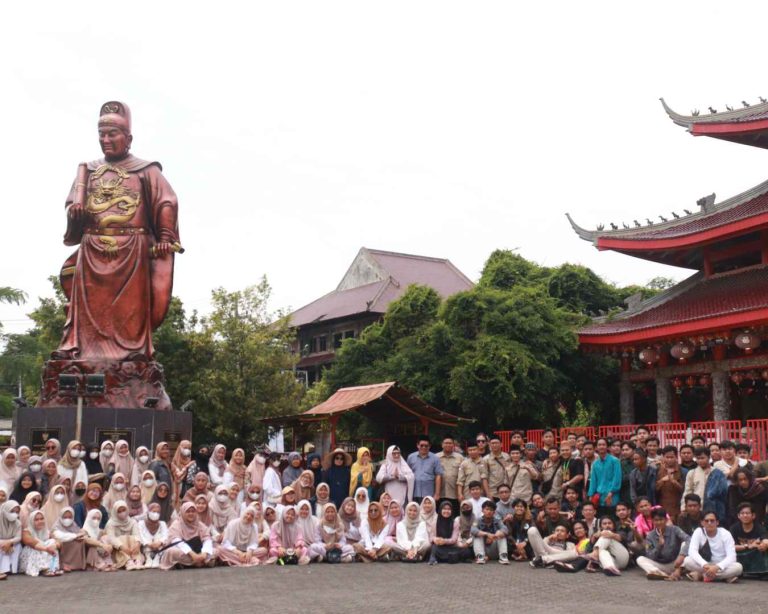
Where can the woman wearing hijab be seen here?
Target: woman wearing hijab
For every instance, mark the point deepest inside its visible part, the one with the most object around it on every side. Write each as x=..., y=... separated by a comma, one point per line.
x=71, y=464
x=745, y=489
x=147, y=485
x=240, y=544
x=412, y=537
x=222, y=512
x=140, y=465
x=256, y=469
x=40, y=554
x=191, y=539
x=36, y=468
x=24, y=485
x=200, y=486
x=331, y=538
x=118, y=487
x=10, y=538
x=309, y=527
x=24, y=454
x=153, y=535
x=71, y=539
x=429, y=515
x=106, y=452
x=272, y=483
x=217, y=466
x=396, y=476
x=183, y=467
x=162, y=497
x=385, y=499
x=203, y=511
x=9, y=470
x=336, y=474
x=136, y=507
x=122, y=534
x=286, y=538
x=393, y=515
x=56, y=502
x=161, y=465
x=362, y=502
x=315, y=465
x=52, y=450
x=92, y=464
x=122, y=459
x=91, y=501
x=50, y=476
x=287, y=497
x=373, y=545
x=304, y=485
x=466, y=520
x=32, y=503
x=237, y=468
x=351, y=522
x=262, y=527
x=292, y=472
x=362, y=473
x=322, y=498
x=444, y=548
x=252, y=495
x=98, y=552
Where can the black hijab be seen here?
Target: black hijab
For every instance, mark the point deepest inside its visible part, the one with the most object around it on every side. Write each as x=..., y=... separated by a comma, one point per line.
x=444, y=526
x=166, y=507
x=93, y=465
x=19, y=492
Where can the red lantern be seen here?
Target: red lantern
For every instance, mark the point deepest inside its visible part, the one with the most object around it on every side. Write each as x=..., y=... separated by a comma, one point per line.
x=690, y=381
x=648, y=356
x=682, y=351
x=747, y=341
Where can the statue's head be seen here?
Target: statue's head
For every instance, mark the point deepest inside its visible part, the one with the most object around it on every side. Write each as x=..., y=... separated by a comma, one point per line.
x=115, y=130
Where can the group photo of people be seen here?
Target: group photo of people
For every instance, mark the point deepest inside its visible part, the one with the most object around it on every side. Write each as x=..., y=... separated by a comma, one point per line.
x=697, y=512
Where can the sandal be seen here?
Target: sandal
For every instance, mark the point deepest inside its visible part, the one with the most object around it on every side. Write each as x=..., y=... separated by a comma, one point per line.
x=564, y=567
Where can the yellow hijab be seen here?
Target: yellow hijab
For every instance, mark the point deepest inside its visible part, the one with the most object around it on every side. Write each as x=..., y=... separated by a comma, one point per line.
x=358, y=469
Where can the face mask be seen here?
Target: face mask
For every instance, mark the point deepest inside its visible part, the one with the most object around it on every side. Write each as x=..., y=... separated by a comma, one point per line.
x=275, y=463
x=149, y=483
x=66, y=522
x=254, y=495
x=106, y=453
x=118, y=486
x=79, y=491
x=94, y=455
x=222, y=498
x=122, y=515
x=58, y=497
x=34, y=505
x=11, y=516
x=35, y=468
x=260, y=459
x=143, y=458
x=154, y=516
x=94, y=522
x=186, y=452
x=83, y=453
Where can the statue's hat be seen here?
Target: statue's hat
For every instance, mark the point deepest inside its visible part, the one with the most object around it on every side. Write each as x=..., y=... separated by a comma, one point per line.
x=115, y=113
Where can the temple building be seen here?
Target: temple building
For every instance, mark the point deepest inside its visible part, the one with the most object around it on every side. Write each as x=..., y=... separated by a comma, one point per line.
x=696, y=349
x=374, y=279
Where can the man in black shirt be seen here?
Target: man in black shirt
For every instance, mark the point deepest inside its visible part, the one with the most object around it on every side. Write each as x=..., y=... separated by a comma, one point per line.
x=751, y=543
x=690, y=518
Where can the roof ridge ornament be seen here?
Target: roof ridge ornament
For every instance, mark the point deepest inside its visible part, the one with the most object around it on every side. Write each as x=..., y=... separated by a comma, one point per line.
x=706, y=203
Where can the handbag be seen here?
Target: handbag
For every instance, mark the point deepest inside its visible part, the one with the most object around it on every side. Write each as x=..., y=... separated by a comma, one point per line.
x=333, y=556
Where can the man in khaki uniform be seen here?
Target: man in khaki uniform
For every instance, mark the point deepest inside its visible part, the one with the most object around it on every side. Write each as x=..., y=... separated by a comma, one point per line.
x=470, y=470
x=496, y=463
x=451, y=461
x=520, y=475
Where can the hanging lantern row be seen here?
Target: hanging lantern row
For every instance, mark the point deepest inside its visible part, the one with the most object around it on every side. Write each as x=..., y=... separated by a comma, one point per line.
x=737, y=377
x=747, y=341
x=682, y=351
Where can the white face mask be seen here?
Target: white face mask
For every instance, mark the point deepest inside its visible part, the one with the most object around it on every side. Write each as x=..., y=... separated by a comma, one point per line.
x=58, y=497
x=118, y=486
x=149, y=483
x=106, y=452
x=35, y=468
x=94, y=455
x=154, y=516
x=222, y=498
x=143, y=458
x=186, y=452
x=260, y=459
x=254, y=495
x=66, y=522
x=11, y=516
x=275, y=463
x=94, y=522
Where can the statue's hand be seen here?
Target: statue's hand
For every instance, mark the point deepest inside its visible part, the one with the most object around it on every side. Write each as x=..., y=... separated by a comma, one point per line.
x=76, y=212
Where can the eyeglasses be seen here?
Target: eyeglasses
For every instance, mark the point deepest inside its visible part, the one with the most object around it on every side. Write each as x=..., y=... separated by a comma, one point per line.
x=481, y=441
x=50, y=447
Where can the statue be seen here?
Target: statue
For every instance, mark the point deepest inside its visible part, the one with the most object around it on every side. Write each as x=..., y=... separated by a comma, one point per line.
x=122, y=213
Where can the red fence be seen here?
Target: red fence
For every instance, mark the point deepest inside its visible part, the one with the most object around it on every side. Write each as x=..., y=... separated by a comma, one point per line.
x=717, y=431
x=588, y=431
x=757, y=437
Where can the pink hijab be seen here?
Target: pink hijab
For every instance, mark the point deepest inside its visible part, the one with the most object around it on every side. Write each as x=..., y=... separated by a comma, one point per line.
x=180, y=529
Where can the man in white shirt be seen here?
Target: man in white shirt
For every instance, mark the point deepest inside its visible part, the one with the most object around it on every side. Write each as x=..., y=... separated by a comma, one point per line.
x=729, y=463
x=720, y=562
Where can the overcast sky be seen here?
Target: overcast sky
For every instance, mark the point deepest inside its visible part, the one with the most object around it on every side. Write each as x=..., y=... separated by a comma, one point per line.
x=296, y=132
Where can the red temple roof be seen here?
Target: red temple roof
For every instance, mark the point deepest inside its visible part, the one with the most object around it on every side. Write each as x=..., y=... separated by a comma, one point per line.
x=697, y=305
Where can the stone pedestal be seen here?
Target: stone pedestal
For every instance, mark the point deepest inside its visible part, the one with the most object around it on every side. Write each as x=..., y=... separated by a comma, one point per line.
x=140, y=427
x=128, y=383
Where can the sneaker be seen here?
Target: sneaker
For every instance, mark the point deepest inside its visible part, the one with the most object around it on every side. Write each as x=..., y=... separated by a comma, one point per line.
x=480, y=559
x=304, y=560
x=611, y=571
x=657, y=575
x=733, y=580
x=537, y=561
x=504, y=559
x=694, y=576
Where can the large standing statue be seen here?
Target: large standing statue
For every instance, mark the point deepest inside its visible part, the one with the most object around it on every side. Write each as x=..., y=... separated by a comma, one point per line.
x=124, y=215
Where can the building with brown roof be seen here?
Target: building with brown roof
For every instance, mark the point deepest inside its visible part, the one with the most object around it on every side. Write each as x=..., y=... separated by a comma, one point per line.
x=373, y=280
x=698, y=344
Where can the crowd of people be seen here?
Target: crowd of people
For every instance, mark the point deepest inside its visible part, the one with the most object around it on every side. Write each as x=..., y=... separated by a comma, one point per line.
x=697, y=512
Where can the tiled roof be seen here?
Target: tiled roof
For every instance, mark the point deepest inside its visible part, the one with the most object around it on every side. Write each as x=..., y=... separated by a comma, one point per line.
x=697, y=298
x=743, y=114
x=395, y=273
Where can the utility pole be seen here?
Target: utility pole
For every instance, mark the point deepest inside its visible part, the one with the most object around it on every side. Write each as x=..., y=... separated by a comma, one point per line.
x=21, y=392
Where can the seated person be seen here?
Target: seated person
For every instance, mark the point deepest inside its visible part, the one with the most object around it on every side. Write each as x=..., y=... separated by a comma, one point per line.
x=518, y=523
x=665, y=549
x=554, y=547
x=412, y=536
x=720, y=564
x=332, y=537
x=476, y=498
x=240, y=542
x=690, y=518
x=191, y=539
x=445, y=547
x=490, y=535
x=609, y=548
x=751, y=541
x=286, y=539
x=153, y=535
x=373, y=545
x=571, y=503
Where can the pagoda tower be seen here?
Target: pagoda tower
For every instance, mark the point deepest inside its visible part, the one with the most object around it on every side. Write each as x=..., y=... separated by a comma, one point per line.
x=697, y=347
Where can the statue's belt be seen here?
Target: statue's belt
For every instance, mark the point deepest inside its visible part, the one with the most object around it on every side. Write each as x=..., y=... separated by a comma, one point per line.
x=116, y=232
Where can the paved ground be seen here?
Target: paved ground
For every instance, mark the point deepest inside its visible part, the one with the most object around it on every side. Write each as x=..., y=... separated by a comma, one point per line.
x=387, y=587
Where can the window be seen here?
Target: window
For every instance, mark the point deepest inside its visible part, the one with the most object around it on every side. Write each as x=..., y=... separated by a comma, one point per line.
x=337, y=339
x=322, y=343
x=349, y=334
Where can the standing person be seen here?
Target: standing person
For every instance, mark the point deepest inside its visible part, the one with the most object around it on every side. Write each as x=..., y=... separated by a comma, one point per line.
x=721, y=563
x=520, y=476
x=191, y=539
x=751, y=542
x=71, y=465
x=122, y=458
x=272, y=485
x=471, y=469
x=106, y=452
x=745, y=489
x=315, y=465
x=571, y=469
x=396, y=476
x=140, y=465
x=292, y=472
x=728, y=464
x=687, y=462
x=257, y=467
x=337, y=474
x=642, y=479
x=627, y=467
x=450, y=461
x=652, y=445
x=161, y=465
x=669, y=483
x=182, y=467
x=10, y=538
x=217, y=466
x=547, y=443
x=427, y=471
x=361, y=473
x=551, y=476
x=496, y=463
x=605, y=479
x=482, y=443
x=665, y=548
x=587, y=454
x=710, y=484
